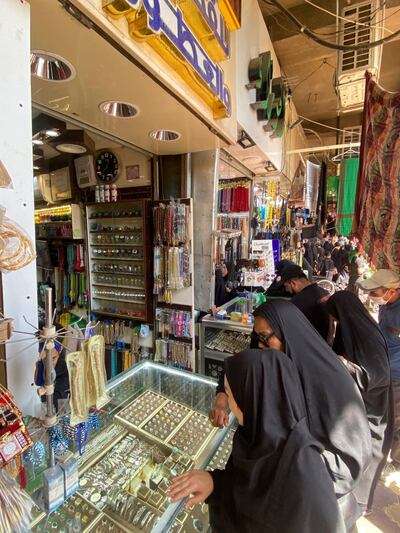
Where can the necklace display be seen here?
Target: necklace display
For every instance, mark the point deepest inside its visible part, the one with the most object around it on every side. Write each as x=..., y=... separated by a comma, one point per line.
x=173, y=353
x=173, y=322
x=172, y=246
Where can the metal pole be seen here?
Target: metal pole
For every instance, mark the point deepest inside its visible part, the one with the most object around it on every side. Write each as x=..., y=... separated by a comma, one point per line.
x=49, y=366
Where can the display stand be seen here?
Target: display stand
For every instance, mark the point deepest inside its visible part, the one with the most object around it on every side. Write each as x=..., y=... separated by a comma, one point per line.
x=222, y=338
x=119, y=260
x=155, y=427
x=49, y=334
x=175, y=348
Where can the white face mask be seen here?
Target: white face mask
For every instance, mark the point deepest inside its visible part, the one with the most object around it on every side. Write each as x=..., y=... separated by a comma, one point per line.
x=379, y=300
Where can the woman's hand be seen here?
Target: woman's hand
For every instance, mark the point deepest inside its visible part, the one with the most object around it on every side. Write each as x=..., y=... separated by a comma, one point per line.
x=219, y=415
x=196, y=484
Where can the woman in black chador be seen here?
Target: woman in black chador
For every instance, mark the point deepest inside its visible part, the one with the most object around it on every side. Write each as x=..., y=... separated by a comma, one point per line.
x=275, y=480
x=361, y=346
x=336, y=414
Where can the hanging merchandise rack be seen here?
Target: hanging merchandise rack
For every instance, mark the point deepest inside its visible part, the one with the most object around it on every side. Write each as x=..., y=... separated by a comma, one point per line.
x=173, y=287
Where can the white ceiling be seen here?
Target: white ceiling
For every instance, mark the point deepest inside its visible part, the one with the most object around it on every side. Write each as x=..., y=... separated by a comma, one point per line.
x=105, y=74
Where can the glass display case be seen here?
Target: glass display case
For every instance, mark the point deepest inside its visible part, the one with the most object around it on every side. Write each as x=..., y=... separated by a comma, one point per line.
x=221, y=338
x=119, y=259
x=155, y=427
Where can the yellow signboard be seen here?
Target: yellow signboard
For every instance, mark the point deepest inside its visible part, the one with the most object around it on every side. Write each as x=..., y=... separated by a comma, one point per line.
x=190, y=35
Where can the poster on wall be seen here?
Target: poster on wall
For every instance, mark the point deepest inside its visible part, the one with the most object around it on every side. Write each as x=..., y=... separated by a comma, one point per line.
x=263, y=251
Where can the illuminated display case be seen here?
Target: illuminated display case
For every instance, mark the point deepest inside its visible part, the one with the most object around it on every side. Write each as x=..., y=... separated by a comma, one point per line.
x=155, y=427
x=222, y=338
x=61, y=222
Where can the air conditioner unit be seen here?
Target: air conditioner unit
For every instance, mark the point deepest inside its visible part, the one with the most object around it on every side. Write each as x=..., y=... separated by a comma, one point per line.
x=42, y=189
x=353, y=64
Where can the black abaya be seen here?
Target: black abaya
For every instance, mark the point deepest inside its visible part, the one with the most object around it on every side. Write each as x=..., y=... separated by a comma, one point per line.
x=335, y=411
x=275, y=480
x=359, y=340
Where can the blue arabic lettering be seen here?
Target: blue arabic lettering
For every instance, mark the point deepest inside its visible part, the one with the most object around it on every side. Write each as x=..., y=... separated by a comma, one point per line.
x=160, y=13
x=212, y=18
x=210, y=14
x=186, y=42
x=154, y=14
x=136, y=4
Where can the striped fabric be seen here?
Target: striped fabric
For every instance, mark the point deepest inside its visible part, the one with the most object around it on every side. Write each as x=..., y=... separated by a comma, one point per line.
x=377, y=212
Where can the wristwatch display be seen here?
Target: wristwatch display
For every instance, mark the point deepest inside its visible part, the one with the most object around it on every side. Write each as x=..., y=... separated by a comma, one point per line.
x=119, y=250
x=147, y=437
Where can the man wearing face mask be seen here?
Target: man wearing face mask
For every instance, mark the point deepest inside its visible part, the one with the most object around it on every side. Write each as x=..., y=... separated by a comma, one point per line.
x=384, y=290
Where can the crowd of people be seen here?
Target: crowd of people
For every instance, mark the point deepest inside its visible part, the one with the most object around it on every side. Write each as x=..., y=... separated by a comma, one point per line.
x=317, y=399
x=335, y=258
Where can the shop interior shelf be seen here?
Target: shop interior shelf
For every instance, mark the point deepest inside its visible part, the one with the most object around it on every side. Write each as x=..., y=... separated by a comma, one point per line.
x=124, y=244
x=115, y=218
x=97, y=284
x=117, y=300
x=141, y=274
x=53, y=222
x=116, y=230
x=216, y=355
x=112, y=258
x=118, y=315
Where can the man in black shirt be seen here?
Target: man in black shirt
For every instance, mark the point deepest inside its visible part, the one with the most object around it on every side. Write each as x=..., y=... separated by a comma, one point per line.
x=308, y=297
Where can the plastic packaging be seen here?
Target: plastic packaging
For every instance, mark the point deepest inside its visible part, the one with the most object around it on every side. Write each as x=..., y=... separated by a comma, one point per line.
x=5, y=178
x=96, y=357
x=114, y=193
x=78, y=386
x=107, y=194
x=16, y=248
x=16, y=506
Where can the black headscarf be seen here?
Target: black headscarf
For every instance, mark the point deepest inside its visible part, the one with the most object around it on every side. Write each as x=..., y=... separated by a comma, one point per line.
x=359, y=339
x=335, y=410
x=220, y=292
x=274, y=457
x=277, y=289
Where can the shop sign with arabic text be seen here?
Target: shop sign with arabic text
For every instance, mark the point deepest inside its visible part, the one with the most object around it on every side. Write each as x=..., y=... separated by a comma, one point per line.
x=190, y=35
x=271, y=94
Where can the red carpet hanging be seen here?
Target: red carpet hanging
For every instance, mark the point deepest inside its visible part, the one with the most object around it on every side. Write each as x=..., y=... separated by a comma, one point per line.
x=377, y=210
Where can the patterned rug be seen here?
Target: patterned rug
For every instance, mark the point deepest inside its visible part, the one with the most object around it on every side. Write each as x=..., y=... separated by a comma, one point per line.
x=377, y=210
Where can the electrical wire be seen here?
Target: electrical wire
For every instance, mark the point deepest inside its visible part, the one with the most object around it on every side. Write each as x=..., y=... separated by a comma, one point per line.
x=372, y=15
x=355, y=22
x=324, y=62
x=326, y=126
x=309, y=33
x=323, y=34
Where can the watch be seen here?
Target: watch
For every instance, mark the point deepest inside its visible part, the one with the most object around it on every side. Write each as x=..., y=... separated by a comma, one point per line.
x=107, y=166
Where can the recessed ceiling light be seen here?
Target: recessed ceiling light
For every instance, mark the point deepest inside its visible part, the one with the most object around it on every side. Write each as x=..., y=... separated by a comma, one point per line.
x=164, y=135
x=37, y=142
x=51, y=67
x=69, y=148
x=52, y=133
x=114, y=108
x=35, y=167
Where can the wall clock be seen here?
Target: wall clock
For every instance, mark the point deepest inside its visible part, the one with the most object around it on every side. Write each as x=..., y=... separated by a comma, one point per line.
x=107, y=166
